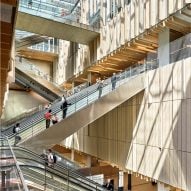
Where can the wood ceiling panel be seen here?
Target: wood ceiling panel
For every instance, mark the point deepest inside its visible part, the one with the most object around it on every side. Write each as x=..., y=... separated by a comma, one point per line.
x=6, y=28
x=6, y=38
x=4, y=45
x=183, y=30
x=10, y=2
x=5, y=51
x=3, y=75
x=4, y=61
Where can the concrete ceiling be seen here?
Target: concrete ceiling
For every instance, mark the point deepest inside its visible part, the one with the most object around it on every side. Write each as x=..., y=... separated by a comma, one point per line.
x=7, y=19
x=68, y=30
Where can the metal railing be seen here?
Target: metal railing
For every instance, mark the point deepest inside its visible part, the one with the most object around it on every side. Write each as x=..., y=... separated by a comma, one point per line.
x=45, y=47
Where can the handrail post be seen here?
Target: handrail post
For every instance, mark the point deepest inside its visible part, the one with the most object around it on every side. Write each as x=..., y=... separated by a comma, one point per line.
x=68, y=188
x=75, y=103
x=45, y=175
x=87, y=97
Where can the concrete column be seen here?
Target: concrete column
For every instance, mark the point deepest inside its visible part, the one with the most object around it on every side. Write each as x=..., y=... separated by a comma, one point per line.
x=164, y=48
x=84, y=11
x=88, y=161
x=72, y=155
x=90, y=77
x=54, y=68
x=161, y=187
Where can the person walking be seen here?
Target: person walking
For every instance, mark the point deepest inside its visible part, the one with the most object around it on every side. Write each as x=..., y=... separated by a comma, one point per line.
x=48, y=116
x=64, y=107
x=113, y=81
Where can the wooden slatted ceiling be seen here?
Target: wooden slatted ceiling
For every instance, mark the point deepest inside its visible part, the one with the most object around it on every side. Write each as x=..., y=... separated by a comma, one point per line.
x=137, y=49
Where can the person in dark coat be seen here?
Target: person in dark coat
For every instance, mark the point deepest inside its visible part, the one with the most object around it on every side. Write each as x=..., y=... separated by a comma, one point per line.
x=100, y=86
x=113, y=81
x=64, y=108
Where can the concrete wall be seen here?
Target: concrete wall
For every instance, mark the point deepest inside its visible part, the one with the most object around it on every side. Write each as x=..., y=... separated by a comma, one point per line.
x=44, y=66
x=73, y=58
x=20, y=102
x=150, y=133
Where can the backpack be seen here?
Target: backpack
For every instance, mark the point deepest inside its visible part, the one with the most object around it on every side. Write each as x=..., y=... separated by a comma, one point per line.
x=54, y=158
x=14, y=129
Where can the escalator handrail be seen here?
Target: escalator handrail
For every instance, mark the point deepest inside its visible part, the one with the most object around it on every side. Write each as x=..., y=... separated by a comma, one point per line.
x=42, y=162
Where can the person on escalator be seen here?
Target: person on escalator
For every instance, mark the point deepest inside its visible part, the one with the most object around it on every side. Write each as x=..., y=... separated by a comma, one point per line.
x=50, y=158
x=54, y=119
x=113, y=81
x=16, y=130
x=48, y=116
x=100, y=86
x=64, y=108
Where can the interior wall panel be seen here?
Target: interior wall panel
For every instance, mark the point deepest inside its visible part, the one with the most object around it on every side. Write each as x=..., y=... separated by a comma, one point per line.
x=132, y=20
x=187, y=78
x=184, y=125
x=188, y=127
x=188, y=171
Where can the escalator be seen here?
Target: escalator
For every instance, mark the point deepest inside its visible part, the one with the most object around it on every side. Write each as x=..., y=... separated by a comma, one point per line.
x=84, y=112
x=38, y=175
x=42, y=78
x=86, y=107
x=29, y=41
x=28, y=82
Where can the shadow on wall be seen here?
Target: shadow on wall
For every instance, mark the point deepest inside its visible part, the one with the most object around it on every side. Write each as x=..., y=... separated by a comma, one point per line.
x=160, y=145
